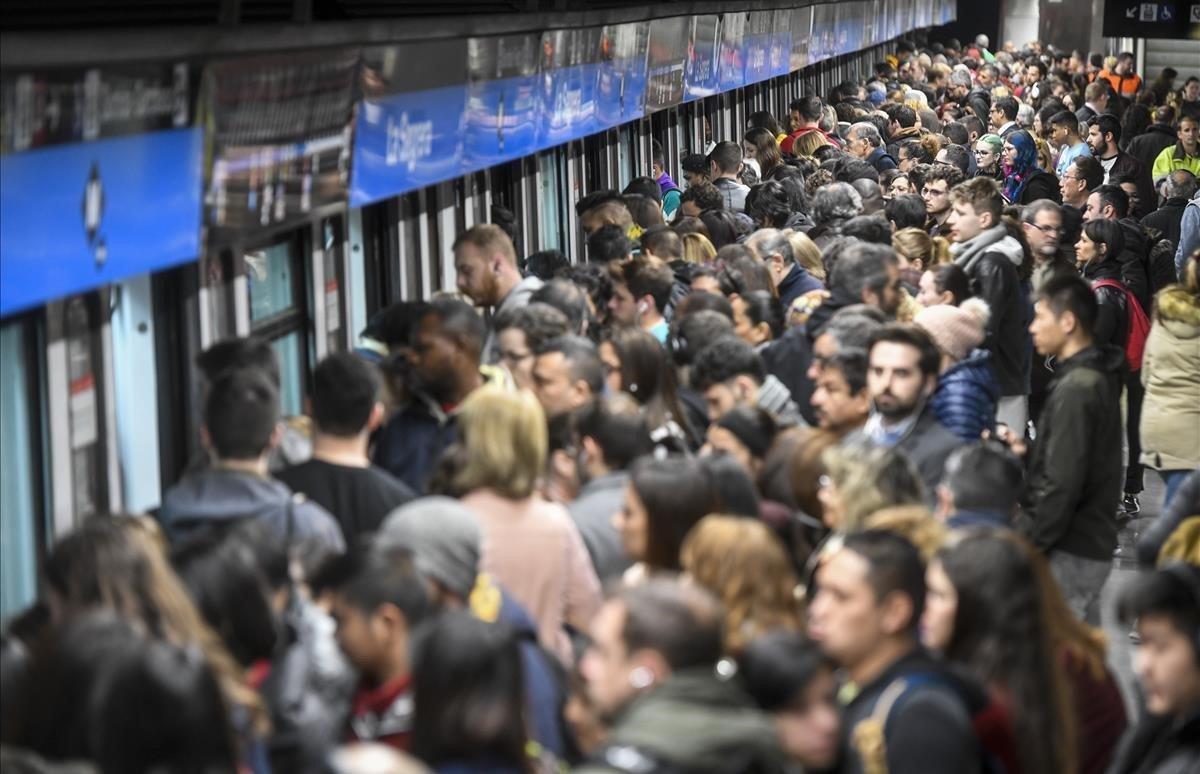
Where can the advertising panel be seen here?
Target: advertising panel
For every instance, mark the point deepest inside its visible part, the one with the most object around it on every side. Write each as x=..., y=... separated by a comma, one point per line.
x=503, y=111
x=733, y=54
x=409, y=128
x=665, y=60
x=279, y=137
x=621, y=81
x=701, y=76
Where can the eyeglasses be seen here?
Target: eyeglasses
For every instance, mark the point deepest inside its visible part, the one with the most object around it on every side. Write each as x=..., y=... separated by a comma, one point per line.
x=1072, y=177
x=1046, y=229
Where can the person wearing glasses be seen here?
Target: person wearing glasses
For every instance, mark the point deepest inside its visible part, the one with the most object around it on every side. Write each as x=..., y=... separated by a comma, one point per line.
x=987, y=157
x=1024, y=180
x=935, y=192
x=1081, y=178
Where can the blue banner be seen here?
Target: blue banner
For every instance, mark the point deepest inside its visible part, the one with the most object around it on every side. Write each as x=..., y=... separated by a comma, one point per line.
x=823, y=41
x=568, y=81
x=621, y=80
x=73, y=217
x=405, y=142
x=701, y=75
x=733, y=55
x=501, y=122
x=779, y=58
x=503, y=111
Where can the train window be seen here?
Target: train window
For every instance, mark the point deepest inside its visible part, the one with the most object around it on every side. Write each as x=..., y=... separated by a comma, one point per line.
x=279, y=313
x=21, y=525
x=272, y=281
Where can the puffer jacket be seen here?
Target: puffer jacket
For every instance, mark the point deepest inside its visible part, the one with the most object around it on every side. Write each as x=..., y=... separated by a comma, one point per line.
x=966, y=396
x=1171, y=374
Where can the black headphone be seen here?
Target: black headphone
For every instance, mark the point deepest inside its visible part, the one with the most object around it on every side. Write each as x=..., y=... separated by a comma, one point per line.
x=1185, y=574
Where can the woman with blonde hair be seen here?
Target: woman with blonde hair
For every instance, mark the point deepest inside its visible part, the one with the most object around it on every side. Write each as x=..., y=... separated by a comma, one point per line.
x=504, y=437
x=698, y=249
x=807, y=254
x=919, y=251
x=914, y=522
x=808, y=143
x=865, y=479
x=741, y=561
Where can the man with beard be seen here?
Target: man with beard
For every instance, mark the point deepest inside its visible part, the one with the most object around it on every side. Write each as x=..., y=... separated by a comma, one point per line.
x=1104, y=134
x=446, y=345
x=485, y=265
x=902, y=375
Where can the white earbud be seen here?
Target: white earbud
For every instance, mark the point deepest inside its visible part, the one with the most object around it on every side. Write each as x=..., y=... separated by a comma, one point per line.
x=641, y=678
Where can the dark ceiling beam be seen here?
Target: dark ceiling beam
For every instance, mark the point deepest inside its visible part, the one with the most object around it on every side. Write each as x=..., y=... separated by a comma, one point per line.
x=32, y=50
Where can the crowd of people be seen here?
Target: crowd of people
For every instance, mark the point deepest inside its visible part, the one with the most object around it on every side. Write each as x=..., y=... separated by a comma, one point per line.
x=814, y=462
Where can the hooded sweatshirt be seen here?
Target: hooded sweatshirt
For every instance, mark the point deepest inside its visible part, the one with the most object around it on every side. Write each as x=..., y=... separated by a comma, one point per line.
x=220, y=496
x=991, y=261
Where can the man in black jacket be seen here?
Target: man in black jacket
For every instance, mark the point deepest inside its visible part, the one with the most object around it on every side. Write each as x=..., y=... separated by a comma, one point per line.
x=905, y=713
x=1179, y=187
x=1160, y=134
x=1110, y=202
x=1069, y=509
x=1104, y=133
x=962, y=91
x=996, y=264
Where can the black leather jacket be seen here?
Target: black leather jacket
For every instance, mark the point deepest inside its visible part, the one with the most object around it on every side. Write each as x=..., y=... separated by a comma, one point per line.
x=1112, y=318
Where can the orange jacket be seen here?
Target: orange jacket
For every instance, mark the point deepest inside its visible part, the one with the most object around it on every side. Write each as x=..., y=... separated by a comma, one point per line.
x=1125, y=85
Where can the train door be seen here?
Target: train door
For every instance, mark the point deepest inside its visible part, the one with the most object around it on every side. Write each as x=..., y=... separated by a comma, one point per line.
x=78, y=386
x=23, y=528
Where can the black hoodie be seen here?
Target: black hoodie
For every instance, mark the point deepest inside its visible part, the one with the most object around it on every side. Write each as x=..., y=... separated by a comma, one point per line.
x=1146, y=146
x=1074, y=475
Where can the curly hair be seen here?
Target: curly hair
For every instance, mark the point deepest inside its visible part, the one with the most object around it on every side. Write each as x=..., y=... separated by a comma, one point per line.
x=744, y=564
x=870, y=479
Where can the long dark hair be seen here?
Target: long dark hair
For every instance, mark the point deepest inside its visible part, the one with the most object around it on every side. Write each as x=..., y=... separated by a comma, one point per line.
x=100, y=690
x=676, y=494
x=469, y=693
x=1108, y=233
x=1002, y=634
x=766, y=150
x=649, y=377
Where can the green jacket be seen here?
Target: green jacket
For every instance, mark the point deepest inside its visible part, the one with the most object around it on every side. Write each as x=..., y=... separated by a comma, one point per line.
x=693, y=723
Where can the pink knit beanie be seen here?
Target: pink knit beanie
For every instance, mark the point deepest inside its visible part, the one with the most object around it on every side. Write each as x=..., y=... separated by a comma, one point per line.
x=955, y=329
